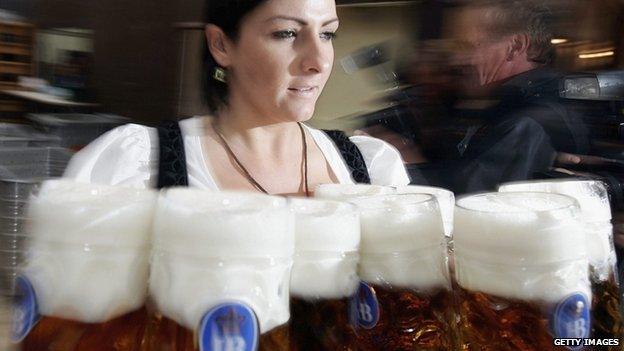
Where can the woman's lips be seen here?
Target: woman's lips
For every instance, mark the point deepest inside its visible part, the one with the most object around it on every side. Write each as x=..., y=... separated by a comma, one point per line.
x=303, y=91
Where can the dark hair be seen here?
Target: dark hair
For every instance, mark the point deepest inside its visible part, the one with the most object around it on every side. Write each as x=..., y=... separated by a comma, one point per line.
x=227, y=15
x=521, y=16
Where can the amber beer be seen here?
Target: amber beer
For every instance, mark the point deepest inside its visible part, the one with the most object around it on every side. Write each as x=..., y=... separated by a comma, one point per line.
x=595, y=213
x=521, y=270
x=84, y=283
x=404, y=301
x=606, y=316
x=220, y=272
x=324, y=275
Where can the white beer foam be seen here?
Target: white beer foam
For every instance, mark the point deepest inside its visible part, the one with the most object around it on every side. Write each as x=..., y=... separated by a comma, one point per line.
x=600, y=249
x=88, y=255
x=402, y=241
x=446, y=201
x=81, y=213
x=527, y=246
x=327, y=240
x=591, y=195
x=350, y=191
x=223, y=224
x=329, y=226
x=593, y=199
x=213, y=247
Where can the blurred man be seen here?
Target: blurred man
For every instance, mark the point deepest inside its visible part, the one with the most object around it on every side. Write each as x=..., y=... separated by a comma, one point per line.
x=505, y=49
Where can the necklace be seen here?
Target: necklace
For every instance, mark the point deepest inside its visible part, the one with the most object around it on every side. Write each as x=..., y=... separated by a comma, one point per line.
x=248, y=175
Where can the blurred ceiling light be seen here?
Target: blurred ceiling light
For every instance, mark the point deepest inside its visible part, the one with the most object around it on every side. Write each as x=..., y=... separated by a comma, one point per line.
x=597, y=54
x=556, y=41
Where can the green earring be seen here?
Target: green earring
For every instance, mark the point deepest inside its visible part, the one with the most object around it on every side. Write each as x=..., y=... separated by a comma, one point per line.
x=220, y=74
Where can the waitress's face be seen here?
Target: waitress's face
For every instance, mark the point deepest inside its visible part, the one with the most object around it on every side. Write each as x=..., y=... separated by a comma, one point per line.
x=283, y=57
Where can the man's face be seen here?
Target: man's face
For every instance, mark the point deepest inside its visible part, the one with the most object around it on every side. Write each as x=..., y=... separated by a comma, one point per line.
x=482, y=55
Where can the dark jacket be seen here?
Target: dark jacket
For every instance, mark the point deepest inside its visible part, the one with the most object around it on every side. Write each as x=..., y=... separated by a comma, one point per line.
x=518, y=135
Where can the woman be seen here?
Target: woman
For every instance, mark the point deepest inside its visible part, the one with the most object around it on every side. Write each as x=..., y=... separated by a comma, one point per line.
x=268, y=61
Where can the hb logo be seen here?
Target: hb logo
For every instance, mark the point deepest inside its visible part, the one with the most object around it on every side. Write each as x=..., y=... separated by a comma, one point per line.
x=365, y=312
x=25, y=313
x=229, y=327
x=227, y=331
x=365, y=307
x=572, y=318
x=577, y=328
x=229, y=343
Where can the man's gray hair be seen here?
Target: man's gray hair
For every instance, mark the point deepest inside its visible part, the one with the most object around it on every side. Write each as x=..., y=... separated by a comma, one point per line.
x=528, y=17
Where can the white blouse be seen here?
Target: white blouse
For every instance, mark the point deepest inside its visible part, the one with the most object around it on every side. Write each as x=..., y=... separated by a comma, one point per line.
x=128, y=155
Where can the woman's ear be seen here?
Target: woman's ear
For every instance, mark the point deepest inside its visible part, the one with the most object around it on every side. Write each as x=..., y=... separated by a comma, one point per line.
x=217, y=42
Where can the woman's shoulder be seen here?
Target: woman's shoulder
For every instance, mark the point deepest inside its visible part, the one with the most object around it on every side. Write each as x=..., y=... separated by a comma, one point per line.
x=125, y=155
x=131, y=131
x=365, y=142
x=128, y=137
x=383, y=161
x=374, y=147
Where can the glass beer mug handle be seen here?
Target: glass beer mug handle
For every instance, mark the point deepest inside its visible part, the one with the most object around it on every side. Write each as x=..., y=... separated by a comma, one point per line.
x=231, y=326
x=25, y=312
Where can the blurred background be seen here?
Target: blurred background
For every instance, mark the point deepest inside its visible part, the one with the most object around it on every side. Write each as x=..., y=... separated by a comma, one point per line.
x=141, y=59
x=72, y=69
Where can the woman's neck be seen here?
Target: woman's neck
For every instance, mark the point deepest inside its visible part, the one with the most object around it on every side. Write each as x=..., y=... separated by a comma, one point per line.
x=258, y=135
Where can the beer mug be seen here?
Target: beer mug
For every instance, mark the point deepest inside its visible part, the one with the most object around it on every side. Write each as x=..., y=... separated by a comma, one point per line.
x=521, y=270
x=595, y=213
x=349, y=191
x=324, y=275
x=84, y=281
x=404, y=301
x=220, y=272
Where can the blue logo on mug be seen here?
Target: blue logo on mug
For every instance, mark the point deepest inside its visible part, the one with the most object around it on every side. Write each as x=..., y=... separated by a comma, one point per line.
x=229, y=327
x=25, y=312
x=365, y=307
x=572, y=318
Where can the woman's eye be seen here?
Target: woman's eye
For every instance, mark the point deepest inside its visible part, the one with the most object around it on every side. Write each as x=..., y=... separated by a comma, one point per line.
x=285, y=34
x=328, y=35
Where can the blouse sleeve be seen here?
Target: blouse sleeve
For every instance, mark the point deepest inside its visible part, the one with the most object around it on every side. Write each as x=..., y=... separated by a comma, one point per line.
x=384, y=163
x=126, y=155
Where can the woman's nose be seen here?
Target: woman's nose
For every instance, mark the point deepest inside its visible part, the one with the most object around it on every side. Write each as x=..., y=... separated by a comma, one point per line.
x=318, y=56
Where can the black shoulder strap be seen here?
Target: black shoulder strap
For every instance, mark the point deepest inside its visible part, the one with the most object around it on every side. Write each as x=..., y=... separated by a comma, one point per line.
x=351, y=155
x=172, y=161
